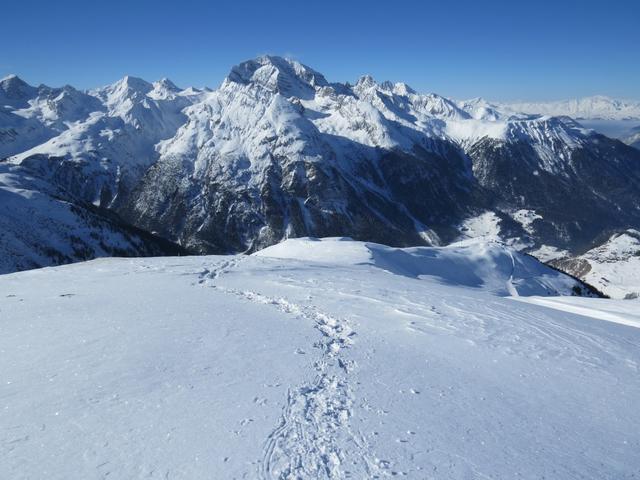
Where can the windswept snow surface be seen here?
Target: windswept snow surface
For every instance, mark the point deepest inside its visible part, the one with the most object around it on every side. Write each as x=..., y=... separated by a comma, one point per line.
x=315, y=359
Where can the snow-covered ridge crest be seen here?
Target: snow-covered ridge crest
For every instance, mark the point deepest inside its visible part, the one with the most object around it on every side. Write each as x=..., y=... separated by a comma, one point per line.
x=386, y=114
x=420, y=115
x=107, y=136
x=471, y=264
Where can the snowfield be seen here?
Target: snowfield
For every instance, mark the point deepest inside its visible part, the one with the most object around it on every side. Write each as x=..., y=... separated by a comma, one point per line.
x=317, y=359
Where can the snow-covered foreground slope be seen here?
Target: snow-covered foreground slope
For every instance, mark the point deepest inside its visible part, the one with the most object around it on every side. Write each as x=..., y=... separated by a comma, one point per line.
x=330, y=359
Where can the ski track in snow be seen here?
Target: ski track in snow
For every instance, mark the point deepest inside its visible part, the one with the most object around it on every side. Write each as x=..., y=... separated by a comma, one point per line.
x=315, y=424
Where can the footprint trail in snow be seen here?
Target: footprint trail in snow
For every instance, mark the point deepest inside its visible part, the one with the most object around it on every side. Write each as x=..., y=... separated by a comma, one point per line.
x=314, y=437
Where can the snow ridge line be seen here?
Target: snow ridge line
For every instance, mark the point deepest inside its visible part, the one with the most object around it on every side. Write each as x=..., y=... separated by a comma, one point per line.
x=314, y=429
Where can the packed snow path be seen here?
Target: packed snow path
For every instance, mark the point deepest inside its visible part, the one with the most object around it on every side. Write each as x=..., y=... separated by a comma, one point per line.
x=331, y=359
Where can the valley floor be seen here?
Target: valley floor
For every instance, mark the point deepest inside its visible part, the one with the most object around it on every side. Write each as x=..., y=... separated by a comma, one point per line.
x=348, y=363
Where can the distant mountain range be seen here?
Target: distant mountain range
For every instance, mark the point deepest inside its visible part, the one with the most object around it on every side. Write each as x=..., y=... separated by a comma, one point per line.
x=278, y=151
x=588, y=108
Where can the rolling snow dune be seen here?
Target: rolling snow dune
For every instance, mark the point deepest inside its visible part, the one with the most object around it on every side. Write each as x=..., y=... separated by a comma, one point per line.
x=286, y=365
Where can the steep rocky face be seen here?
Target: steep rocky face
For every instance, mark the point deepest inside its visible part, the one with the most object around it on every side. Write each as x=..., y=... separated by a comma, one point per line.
x=593, y=189
x=389, y=198
x=260, y=160
x=39, y=228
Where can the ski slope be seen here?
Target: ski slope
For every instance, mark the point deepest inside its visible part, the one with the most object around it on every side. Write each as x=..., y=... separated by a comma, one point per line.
x=316, y=359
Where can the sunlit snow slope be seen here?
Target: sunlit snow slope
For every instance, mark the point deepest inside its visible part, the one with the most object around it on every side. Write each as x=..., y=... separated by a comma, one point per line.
x=316, y=359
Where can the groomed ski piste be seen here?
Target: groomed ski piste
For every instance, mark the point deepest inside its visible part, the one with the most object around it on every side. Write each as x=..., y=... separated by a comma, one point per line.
x=317, y=359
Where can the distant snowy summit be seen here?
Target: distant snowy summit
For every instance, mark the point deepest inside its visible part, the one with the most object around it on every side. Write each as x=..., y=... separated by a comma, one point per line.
x=612, y=117
x=279, y=151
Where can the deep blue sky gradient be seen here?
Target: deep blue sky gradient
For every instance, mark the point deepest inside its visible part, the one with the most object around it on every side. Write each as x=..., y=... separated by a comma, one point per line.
x=500, y=50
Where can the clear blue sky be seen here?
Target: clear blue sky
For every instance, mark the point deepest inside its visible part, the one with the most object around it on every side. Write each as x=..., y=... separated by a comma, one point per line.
x=501, y=50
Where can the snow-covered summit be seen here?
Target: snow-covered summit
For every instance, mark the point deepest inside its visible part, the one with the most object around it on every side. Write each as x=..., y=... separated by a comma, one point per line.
x=15, y=92
x=285, y=76
x=481, y=109
x=166, y=84
x=127, y=85
x=120, y=95
x=367, y=81
x=164, y=89
x=471, y=264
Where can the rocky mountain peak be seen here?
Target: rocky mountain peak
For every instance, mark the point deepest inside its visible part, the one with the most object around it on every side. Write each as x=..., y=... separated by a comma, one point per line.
x=134, y=84
x=15, y=92
x=285, y=76
x=166, y=84
x=119, y=95
x=164, y=89
x=366, y=81
x=403, y=89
